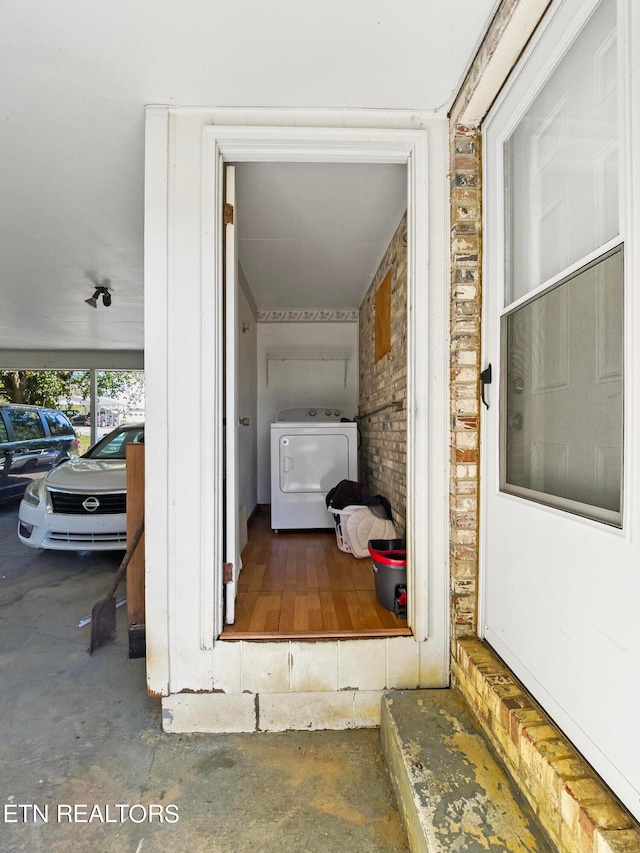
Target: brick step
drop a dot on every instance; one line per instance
(452, 793)
(573, 805)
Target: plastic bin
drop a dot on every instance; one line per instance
(340, 517)
(389, 559)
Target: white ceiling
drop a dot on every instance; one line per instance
(313, 235)
(75, 77)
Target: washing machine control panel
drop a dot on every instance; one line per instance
(314, 414)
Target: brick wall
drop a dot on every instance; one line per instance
(575, 808)
(383, 453)
(466, 237)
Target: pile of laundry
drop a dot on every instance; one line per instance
(359, 517)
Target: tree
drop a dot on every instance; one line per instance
(127, 385)
(35, 387)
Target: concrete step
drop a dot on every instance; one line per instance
(453, 795)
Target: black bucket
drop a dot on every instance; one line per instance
(389, 558)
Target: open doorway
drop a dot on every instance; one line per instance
(320, 324)
(184, 355)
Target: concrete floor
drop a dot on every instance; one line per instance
(80, 731)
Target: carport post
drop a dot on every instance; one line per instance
(93, 400)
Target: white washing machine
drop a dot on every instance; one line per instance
(311, 451)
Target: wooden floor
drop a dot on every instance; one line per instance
(299, 584)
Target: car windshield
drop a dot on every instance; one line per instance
(113, 446)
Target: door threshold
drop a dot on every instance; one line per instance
(274, 636)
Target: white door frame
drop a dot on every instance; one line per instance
(232, 468)
(425, 150)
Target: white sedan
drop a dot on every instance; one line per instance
(82, 503)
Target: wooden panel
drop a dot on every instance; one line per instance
(135, 511)
(383, 318)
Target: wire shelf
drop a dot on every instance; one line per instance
(315, 355)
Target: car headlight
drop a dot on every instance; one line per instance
(32, 493)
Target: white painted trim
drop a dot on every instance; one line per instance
(211, 384)
(337, 145)
(438, 427)
(525, 17)
(427, 420)
(629, 171)
(231, 286)
(156, 269)
(318, 118)
(71, 359)
(170, 402)
(562, 275)
(313, 144)
(406, 139)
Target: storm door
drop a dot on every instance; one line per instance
(559, 557)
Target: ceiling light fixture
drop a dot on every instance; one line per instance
(106, 297)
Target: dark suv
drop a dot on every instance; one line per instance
(32, 440)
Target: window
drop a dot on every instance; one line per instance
(563, 321)
(58, 423)
(561, 163)
(114, 446)
(563, 395)
(26, 424)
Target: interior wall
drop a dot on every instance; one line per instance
(301, 383)
(247, 398)
(383, 385)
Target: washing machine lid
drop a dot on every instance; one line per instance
(312, 414)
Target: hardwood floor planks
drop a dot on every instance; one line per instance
(330, 621)
(322, 571)
(298, 584)
(245, 605)
(266, 613)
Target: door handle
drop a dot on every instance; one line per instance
(243, 421)
(485, 379)
(287, 464)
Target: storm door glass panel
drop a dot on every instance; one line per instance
(561, 163)
(562, 406)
